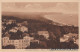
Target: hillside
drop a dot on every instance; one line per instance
(55, 32)
(36, 25)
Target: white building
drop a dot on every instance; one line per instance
(5, 41)
(23, 29)
(44, 33)
(13, 30)
(25, 23)
(19, 44)
(64, 39)
(10, 22)
(19, 24)
(68, 37)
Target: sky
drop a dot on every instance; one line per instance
(59, 7)
(65, 7)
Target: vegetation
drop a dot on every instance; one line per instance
(55, 32)
(8, 47)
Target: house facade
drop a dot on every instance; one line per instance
(69, 37)
(44, 33)
(19, 44)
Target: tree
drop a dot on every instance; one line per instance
(68, 45)
(8, 47)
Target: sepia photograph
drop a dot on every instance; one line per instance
(39, 25)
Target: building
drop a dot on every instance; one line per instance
(10, 22)
(5, 41)
(64, 39)
(19, 44)
(23, 29)
(7, 34)
(69, 37)
(19, 24)
(13, 30)
(77, 42)
(44, 33)
(73, 35)
(3, 27)
(25, 23)
(35, 41)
